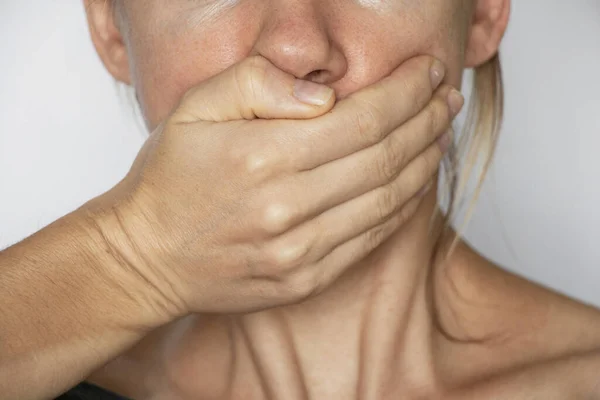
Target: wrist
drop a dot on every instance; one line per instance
(68, 307)
(124, 264)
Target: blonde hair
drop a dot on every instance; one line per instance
(477, 143)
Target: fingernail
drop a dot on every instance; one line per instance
(437, 73)
(444, 141)
(455, 101)
(312, 93)
(425, 189)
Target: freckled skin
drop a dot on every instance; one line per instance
(386, 6)
(399, 324)
(189, 52)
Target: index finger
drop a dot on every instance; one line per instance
(367, 116)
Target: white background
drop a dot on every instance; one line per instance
(67, 134)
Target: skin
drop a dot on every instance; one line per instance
(148, 53)
(402, 322)
(222, 212)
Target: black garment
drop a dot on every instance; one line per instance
(86, 391)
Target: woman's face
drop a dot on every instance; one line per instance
(169, 46)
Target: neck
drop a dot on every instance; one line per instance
(377, 316)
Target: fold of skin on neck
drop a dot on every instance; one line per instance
(405, 322)
(372, 330)
(371, 335)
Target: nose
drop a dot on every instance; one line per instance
(295, 37)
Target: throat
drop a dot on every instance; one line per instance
(367, 337)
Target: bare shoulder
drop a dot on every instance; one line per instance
(574, 377)
(503, 322)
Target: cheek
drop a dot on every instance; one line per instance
(381, 48)
(374, 44)
(168, 61)
(172, 59)
(171, 68)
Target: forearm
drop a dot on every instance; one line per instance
(66, 308)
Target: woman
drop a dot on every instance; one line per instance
(253, 252)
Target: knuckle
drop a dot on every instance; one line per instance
(256, 165)
(387, 161)
(398, 149)
(254, 67)
(374, 237)
(250, 76)
(276, 218)
(432, 115)
(284, 259)
(368, 121)
(386, 202)
(255, 61)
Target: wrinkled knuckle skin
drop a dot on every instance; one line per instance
(256, 64)
(368, 122)
(386, 203)
(432, 116)
(374, 237)
(250, 78)
(396, 153)
(254, 68)
(386, 163)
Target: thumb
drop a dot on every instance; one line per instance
(254, 88)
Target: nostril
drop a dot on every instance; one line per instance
(317, 76)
